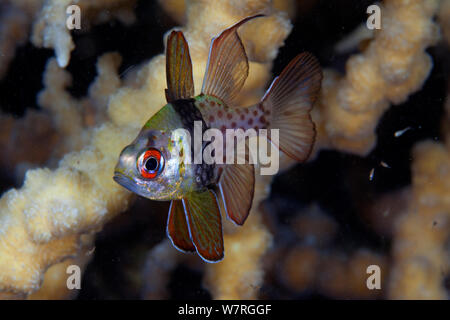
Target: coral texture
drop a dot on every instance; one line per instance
(393, 66)
(422, 263)
(45, 218)
(68, 155)
(50, 29)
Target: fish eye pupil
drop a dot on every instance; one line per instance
(151, 164)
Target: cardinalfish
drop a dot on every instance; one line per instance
(198, 192)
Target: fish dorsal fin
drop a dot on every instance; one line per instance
(205, 225)
(177, 227)
(180, 84)
(236, 185)
(227, 67)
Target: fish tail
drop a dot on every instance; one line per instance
(290, 99)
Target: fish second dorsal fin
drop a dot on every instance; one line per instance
(180, 84)
(177, 227)
(236, 185)
(227, 67)
(205, 225)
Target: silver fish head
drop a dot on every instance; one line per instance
(152, 167)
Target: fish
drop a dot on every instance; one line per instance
(198, 193)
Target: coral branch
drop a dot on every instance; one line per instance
(421, 264)
(41, 224)
(50, 30)
(240, 276)
(393, 66)
(51, 221)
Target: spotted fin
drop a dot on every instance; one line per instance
(177, 228)
(227, 67)
(290, 98)
(236, 185)
(205, 225)
(180, 84)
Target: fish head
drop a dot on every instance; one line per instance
(151, 166)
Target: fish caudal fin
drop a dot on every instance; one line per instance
(205, 225)
(180, 84)
(177, 228)
(237, 184)
(290, 98)
(227, 67)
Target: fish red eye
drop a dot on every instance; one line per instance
(150, 163)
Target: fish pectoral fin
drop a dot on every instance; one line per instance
(237, 185)
(290, 98)
(180, 84)
(205, 225)
(177, 227)
(227, 66)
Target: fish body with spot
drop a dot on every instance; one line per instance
(154, 165)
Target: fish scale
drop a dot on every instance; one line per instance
(217, 115)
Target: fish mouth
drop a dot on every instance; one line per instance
(125, 181)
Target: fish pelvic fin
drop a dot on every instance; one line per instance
(237, 185)
(180, 84)
(227, 66)
(205, 225)
(290, 99)
(177, 227)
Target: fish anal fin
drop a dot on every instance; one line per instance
(205, 225)
(177, 227)
(237, 184)
(227, 67)
(180, 84)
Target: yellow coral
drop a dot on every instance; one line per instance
(55, 279)
(44, 224)
(41, 224)
(313, 264)
(421, 263)
(50, 30)
(393, 66)
(240, 275)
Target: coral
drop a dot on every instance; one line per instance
(84, 113)
(177, 8)
(50, 30)
(344, 276)
(55, 280)
(314, 264)
(41, 222)
(393, 66)
(160, 261)
(67, 151)
(422, 263)
(240, 275)
(44, 219)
